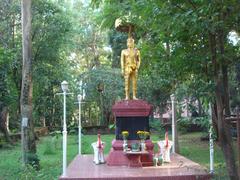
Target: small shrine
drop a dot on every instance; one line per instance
(131, 116)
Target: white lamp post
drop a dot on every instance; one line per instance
(211, 148)
(79, 124)
(173, 122)
(175, 146)
(64, 86)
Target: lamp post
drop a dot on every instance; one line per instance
(174, 128)
(79, 124)
(211, 148)
(64, 86)
(173, 121)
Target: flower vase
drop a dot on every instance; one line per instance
(143, 145)
(125, 145)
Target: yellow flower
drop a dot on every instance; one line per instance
(146, 133)
(125, 134)
(143, 134)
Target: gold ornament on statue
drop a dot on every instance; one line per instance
(130, 59)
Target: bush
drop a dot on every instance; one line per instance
(50, 145)
(202, 122)
(28, 172)
(155, 147)
(183, 125)
(193, 124)
(55, 139)
(33, 160)
(72, 127)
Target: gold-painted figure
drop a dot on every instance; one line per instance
(130, 63)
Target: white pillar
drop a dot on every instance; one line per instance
(79, 125)
(173, 122)
(64, 135)
(211, 147)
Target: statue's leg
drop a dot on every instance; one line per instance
(127, 84)
(134, 84)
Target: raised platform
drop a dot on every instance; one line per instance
(181, 168)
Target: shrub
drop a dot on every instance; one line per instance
(55, 139)
(28, 172)
(183, 125)
(193, 124)
(202, 122)
(72, 127)
(50, 146)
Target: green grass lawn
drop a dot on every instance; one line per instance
(50, 154)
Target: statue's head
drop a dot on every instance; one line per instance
(130, 42)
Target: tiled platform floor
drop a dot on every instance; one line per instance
(181, 168)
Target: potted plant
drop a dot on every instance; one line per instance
(135, 147)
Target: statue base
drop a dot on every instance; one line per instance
(131, 116)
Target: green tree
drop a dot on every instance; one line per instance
(110, 80)
(10, 61)
(186, 39)
(28, 137)
(51, 27)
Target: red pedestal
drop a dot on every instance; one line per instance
(132, 108)
(131, 116)
(117, 157)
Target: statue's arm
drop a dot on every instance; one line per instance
(122, 62)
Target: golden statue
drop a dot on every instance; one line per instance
(130, 57)
(130, 63)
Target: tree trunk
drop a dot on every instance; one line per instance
(215, 119)
(238, 73)
(4, 115)
(226, 90)
(28, 137)
(106, 117)
(223, 128)
(224, 74)
(225, 137)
